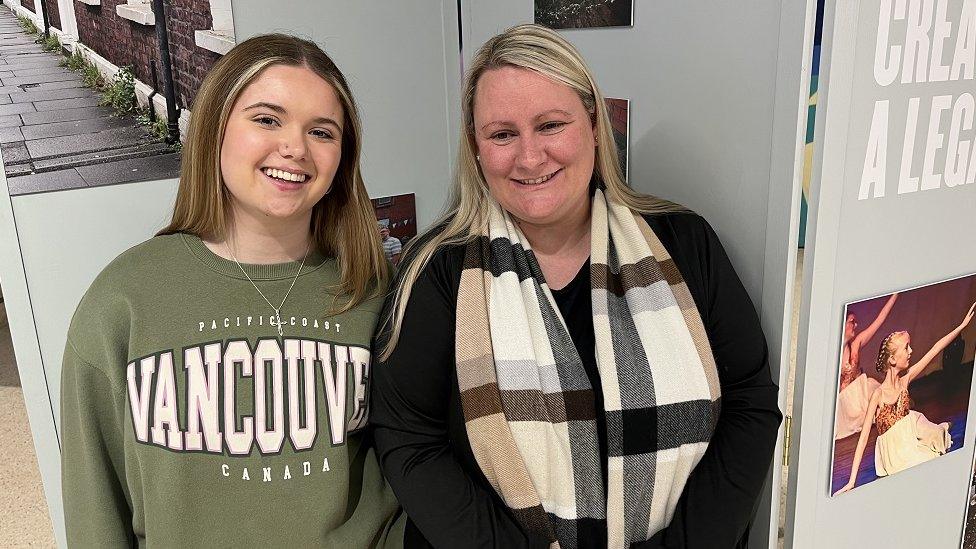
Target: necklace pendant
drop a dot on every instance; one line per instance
(278, 323)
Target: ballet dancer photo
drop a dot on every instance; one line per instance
(897, 408)
(856, 387)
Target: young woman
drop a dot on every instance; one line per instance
(905, 436)
(214, 379)
(561, 345)
(855, 386)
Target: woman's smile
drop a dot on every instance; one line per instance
(538, 181)
(285, 181)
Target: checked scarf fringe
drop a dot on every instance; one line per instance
(528, 404)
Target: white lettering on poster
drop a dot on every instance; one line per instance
(918, 42)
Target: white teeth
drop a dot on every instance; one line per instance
(287, 176)
(537, 181)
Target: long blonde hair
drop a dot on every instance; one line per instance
(538, 49)
(343, 224)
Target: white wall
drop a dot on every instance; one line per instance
(52, 245)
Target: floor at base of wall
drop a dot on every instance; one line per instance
(26, 522)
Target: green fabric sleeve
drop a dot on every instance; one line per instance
(96, 503)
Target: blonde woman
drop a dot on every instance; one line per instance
(567, 361)
(214, 380)
(855, 385)
(905, 436)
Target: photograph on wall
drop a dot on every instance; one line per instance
(619, 110)
(396, 221)
(584, 14)
(77, 116)
(904, 371)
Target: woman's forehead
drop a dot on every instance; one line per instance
(297, 87)
(515, 89)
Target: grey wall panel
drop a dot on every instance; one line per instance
(401, 61)
(67, 238)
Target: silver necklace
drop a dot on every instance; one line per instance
(277, 310)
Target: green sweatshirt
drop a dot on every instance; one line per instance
(187, 421)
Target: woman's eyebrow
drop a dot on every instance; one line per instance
(327, 120)
(551, 111)
(536, 117)
(264, 104)
(281, 110)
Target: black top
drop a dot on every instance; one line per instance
(423, 446)
(576, 307)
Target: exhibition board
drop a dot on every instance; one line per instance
(891, 210)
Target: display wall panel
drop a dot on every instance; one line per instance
(67, 240)
(865, 245)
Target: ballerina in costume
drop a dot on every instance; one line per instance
(856, 387)
(905, 437)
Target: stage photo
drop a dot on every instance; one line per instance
(904, 372)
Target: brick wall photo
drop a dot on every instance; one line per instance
(29, 4)
(53, 15)
(126, 43)
(120, 41)
(191, 63)
(101, 147)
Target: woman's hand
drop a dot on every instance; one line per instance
(969, 317)
(845, 488)
(861, 338)
(941, 344)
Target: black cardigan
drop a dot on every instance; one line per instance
(422, 443)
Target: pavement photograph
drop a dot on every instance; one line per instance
(55, 134)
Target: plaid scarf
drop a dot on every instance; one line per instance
(528, 404)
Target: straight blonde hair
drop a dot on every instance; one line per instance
(343, 224)
(535, 48)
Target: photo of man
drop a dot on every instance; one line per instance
(391, 245)
(396, 218)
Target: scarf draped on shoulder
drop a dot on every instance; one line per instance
(528, 404)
